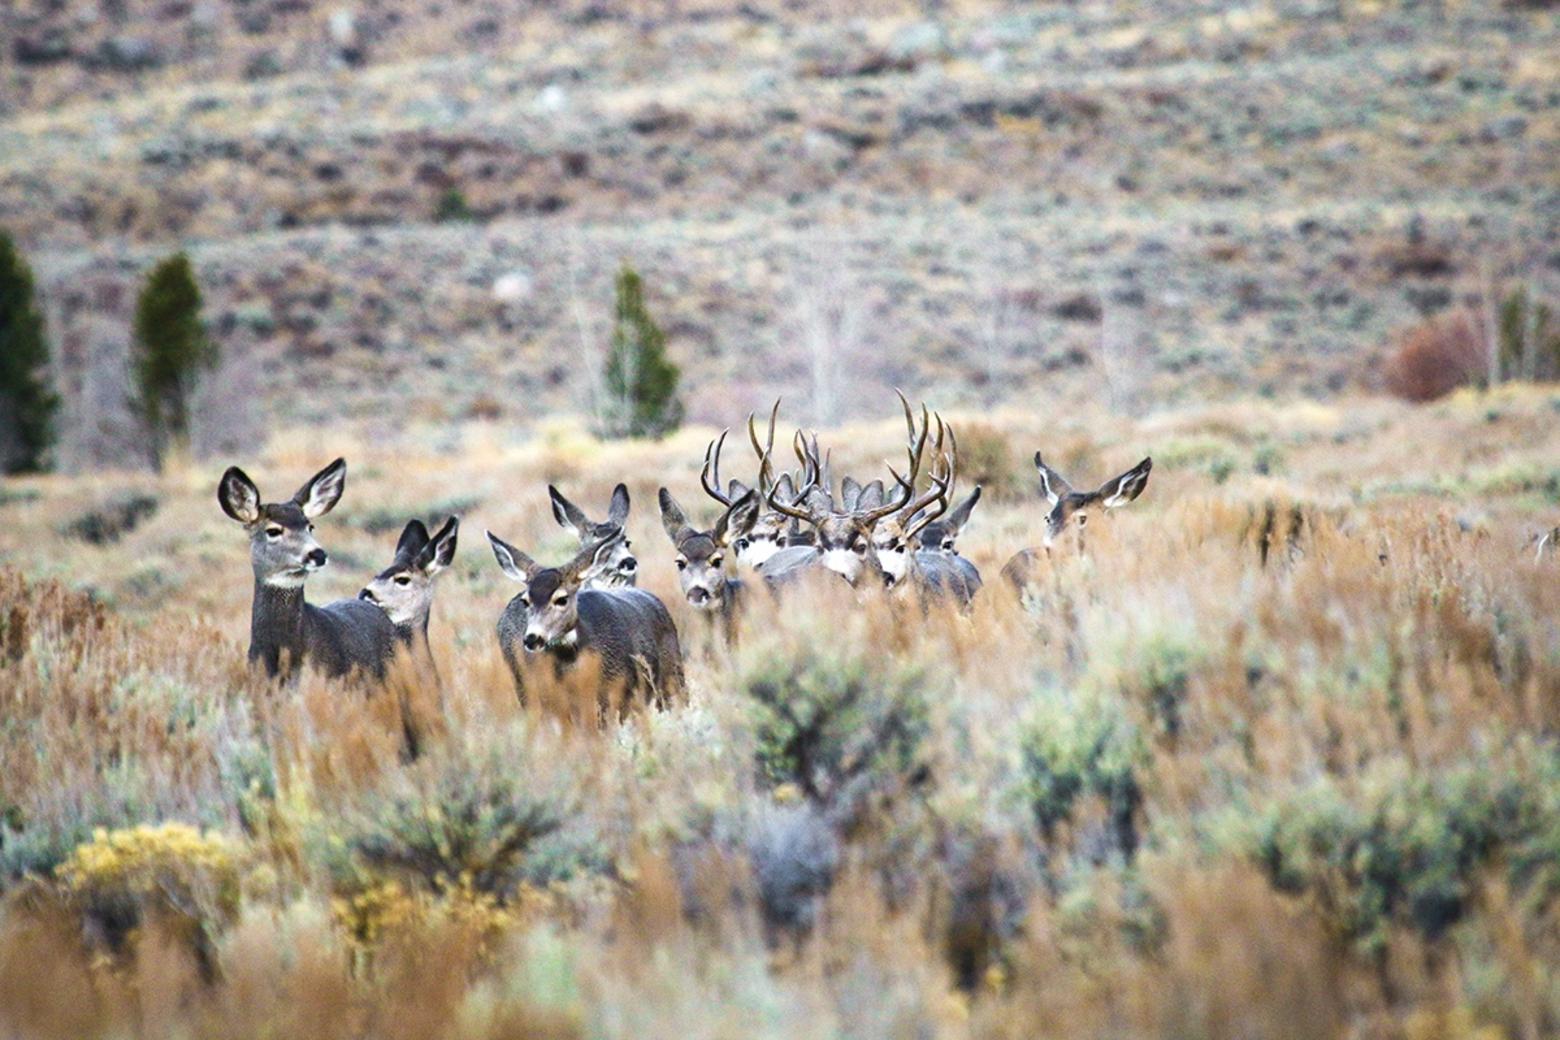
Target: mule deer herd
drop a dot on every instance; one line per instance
(894, 537)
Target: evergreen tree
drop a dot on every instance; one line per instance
(27, 405)
(641, 381)
(171, 350)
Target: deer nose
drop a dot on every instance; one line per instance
(367, 595)
(316, 557)
(629, 565)
(698, 595)
(533, 641)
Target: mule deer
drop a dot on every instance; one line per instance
(702, 558)
(617, 569)
(404, 590)
(900, 539)
(844, 536)
(346, 636)
(1067, 504)
(627, 631)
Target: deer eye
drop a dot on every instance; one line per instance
(1083, 518)
(525, 598)
(858, 547)
(681, 563)
(717, 560)
(274, 532)
(561, 600)
(402, 579)
(948, 545)
(742, 543)
(627, 544)
(311, 528)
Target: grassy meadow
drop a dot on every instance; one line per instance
(1273, 755)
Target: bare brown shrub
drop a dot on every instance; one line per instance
(1437, 356)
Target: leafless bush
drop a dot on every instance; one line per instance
(1437, 356)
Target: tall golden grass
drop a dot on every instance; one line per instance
(1275, 757)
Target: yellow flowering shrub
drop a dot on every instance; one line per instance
(173, 860)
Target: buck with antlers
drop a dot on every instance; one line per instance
(900, 539)
(844, 533)
(626, 631)
(771, 530)
(617, 568)
(1068, 505)
(338, 638)
(705, 559)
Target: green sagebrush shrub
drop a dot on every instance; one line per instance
(473, 816)
(1406, 847)
(836, 720)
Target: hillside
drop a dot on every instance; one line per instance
(1040, 203)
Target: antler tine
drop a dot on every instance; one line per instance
(769, 440)
(909, 415)
(917, 446)
(709, 476)
(789, 508)
(938, 496)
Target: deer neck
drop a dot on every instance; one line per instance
(276, 626)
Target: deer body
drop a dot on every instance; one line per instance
(285, 632)
(337, 638)
(626, 631)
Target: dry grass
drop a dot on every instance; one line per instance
(1276, 757)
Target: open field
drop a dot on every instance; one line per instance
(1276, 757)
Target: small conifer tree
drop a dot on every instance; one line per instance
(171, 350)
(640, 380)
(27, 404)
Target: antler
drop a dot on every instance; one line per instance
(762, 450)
(944, 491)
(709, 476)
(766, 481)
(908, 504)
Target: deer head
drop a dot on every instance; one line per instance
(619, 568)
(282, 548)
(771, 530)
(704, 557)
(551, 593)
(404, 590)
(845, 536)
(1067, 504)
(898, 536)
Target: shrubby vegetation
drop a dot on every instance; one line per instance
(1271, 758)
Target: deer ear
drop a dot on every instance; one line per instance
(1052, 486)
(617, 510)
(413, 537)
(568, 515)
(238, 496)
(1118, 491)
(960, 514)
(323, 490)
(738, 520)
(850, 494)
(515, 563)
(439, 551)
(784, 489)
(672, 518)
